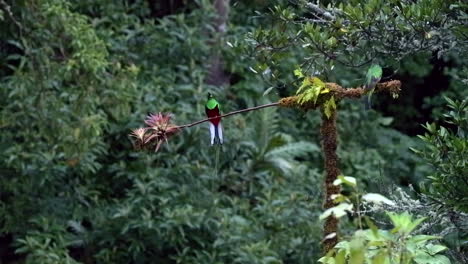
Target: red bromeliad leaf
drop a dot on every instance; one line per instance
(159, 130)
(139, 133)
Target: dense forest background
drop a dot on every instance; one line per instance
(77, 76)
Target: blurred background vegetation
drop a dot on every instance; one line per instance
(77, 76)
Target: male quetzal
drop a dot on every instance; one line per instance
(216, 129)
(373, 76)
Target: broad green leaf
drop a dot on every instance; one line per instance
(329, 106)
(434, 249)
(337, 211)
(441, 259)
(418, 239)
(316, 82)
(305, 83)
(310, 90)
(327, 260)
(338, 198)
(267, 91)
(424, 258)
(347, 180)
(357, 251)
(372, 226)
(298, 73)
(385, 121)
(377, 199)
(253, 70)
(414, 224)
(381, 257)
(404, 224)
(340, 257)
(343, 245)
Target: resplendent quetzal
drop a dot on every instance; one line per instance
(212, 109)
(373, 76)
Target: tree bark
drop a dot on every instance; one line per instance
(216, 75)
(329, 146)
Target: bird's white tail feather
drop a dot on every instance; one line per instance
(220, 133)
(212, 133)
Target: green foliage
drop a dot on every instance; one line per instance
(375, 154)
(47, 244)
(73, 190)
(353, 33)
(446, 150)
(338, 40)
(243, 213)
(310, 90)
(441, 221)
(374, 245)
(381, 246)
(347, 203)
(329, 106)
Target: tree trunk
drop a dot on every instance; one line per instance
(329, 145)
(216, 75)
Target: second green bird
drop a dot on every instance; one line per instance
(373, 76)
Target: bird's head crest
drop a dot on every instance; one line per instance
(210, 96)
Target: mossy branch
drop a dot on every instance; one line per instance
(338, 92)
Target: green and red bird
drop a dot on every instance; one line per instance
(212, 109)
(373, 76)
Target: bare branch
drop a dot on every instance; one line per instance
(325, 13)
(7, 9)
(229, 114)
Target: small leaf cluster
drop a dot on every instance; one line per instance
(354, 33)
(347, 203)
(310, 90)
(446, 149)
(380, 246)
(374, 245)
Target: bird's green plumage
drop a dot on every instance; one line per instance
(212, 104)
(212, 111)
(374, 72)
(373, 76)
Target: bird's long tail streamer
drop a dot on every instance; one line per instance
(217, 160)
(215, 173)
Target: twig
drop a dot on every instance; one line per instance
(321, 11)
(7, 9)
(229, 114)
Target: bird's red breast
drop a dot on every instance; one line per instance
(213, 113)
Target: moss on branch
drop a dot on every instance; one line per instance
(393, 87)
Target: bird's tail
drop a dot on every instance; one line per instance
(367, 102)
(216, 134)
(219, 133)
(212, 133)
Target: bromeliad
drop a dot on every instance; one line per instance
(373, 76)
(212, 110)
